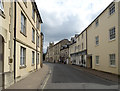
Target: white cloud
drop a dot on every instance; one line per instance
(68, 16)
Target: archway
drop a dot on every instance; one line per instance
(1, 62)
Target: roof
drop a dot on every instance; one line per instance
(60, 41)
(38, 13)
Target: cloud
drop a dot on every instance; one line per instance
(63, 18)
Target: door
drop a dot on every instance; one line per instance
(1, 61)
(90, 61)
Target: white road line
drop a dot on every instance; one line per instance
(46, 80)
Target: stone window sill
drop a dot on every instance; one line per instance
(2, 14)
(23, 34)
(22, 67)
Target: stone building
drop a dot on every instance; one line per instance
(20, 40)
(57, 48)
(98, 46)
(53, 51)
(103, 40)
(64, 53)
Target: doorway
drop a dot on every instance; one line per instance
(1, 62)
(90, 61)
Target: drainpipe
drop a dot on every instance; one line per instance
(11, 38)
(15, 39)
(36, 50)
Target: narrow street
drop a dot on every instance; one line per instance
(64, 76)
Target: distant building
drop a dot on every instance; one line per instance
(64, 54)
(53, 51)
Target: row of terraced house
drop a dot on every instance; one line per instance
(21, 46)
(97, 46)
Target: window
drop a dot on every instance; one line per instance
(112, 33)
(79, 47)
(33, 13)
(82, 46)
(23, 24)
(97, 60)
(82, 36)
(33, 35)
(97, 40)
(38, 41)
(75, 48)
(97, 22)
(78, 38)
(112, 9)
(1, 6)
(38, 58)
(22, 56)
(112, 59)
(33, 57)
(37, 24)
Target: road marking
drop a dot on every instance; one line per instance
(46, 80)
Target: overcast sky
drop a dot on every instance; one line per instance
(65, 18)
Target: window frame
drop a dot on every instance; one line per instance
(112, 59)
(33, 13)
(23, 26)
(97, 22)
(97, 40)
(113, 34)
(37, 58)
(33, 57)
(97, 58)
(82, 46)
(22, 56)
(33, 35)
(112, 9)
(38, 40)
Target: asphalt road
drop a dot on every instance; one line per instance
(63, 76)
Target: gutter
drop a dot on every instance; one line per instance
(15, 39)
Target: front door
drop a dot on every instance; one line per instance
(90, 61)
(1, 61)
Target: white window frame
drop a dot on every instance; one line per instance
(22, 56)
(113, 56)
(33, 57)
(23, 23)
(82, 46)
(38, 39)
(97, 40)
(112, 9)
(33, 13)
(37, 58)
(97, 22)
(37, 23)
(97, 58)
(33, 35)
(112, 33)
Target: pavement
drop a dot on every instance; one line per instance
(32, 81)
(61, 76)
(104, 75)
(64, 76)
